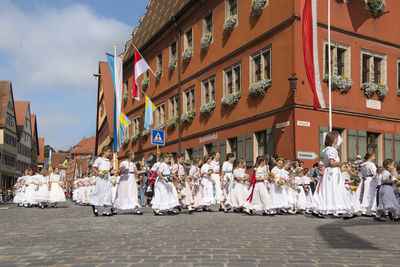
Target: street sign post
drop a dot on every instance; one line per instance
(158, 138)
(306, 155)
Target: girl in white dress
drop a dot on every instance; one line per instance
(290, 187)
(179, 174)
(29, 189)
(102, 195)
(206, 184)
(237, 195)
(42, 190)
(127, 191)
(368, 190)
(195, 176)
(227, 175)
(165, 198)
(218, 196)
(330, 196)
(301, 199)
(19, 185)
(279, 197)
(56, 194)
(347, 182)
(387, 201)
(259, 197)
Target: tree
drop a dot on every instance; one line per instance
(47, 148)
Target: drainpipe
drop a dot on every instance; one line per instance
(179, 83)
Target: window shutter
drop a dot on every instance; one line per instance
(201, 154)
(240, 146)
(396, 146)
(361, 143)
(249, 149)
(322, 130)
(222, 150)
(388, 146)
(194, 152)
(214, 147)
(352, 144)
(270, 141)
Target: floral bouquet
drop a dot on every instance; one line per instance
(307, 188)
(353, 188)
(398, 177)
(113, 182)
(182, 179)
(211, 171)
(272, 176)
(280, 182)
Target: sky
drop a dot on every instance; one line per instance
(49, 49)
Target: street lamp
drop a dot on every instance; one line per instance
(293, 82)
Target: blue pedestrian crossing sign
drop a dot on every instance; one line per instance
(158, 137)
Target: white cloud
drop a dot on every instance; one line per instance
(54, 47)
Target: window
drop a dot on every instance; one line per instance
(373, 145)
(136, 125)
(125, 87)
(173, 107)
(10, 105)
(343, 147)
(340, 59)
(9, 161)
(208, 23)
(188, 99)
(232, 79)
(160, 114)
(231, 8)
(260, 65)
(172, 50)
(10, 120)
(189, 154)
(10, 140)
(232, 146)
(189, 38)
(208, 149)
(208, 90)
(373, 67)
(159, 61)
(261, 142)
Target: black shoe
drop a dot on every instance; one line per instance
(138, 212)
(107, 214)
(172, 212)
(237, 210)
(379, 219)
(349, 217)
(95, 211)
(207, 209)
(390, 215)
(114, 211)
(158, 213)
(221, 209)
(268, 214)
(191, 211)
(226, 210)
(396, 219)
(179, 208)
(250, 213)
(318, 215)
(199, 210)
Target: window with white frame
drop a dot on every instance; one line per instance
(173, 107)
(208, 22)
(172, 50)
(340, 59)
(231, 8)
(373, 67)
(188, 39)
(208, 90)
(232, 146)
(159, 61)
(260, 65)
(160, 114)
(189, 154)
(136, 125)
(188, 99)
(232, 79)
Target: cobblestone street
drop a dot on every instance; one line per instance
(72, 236)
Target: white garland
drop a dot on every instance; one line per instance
(188, 116)
(206, 41)
(146, 133)
(172, 64)
(257, 7)
(172, 122)
(230, 23)
(371, 88)
(135, 137)
(208, 107)
(125, 141)
(125, 97)
(160, 127)
(158, 74)
(187, 54)
(232, 99)
(145, 84)
(340, 83)
(377, 7)
(259, 88)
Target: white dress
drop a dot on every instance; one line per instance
(206, 185)
(330, 196)
(387, 200)
(237, 195)
(18, 198)
(30, 185)
(301, 199)
(42, 189)
(75, 191)
(227, 180)
(368, 190)
(165, 195)
(127, 191)
(56, 193)
(352, 194)
(279, 196)
(102, 195)
(218, 196)
(260, 199)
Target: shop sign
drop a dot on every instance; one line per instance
(208, 138)
(306, 155)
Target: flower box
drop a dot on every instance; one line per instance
(158, 74)
(172, 122)
(257, 7)
(206, 41)
(125, 97)
(208, 107)
(370, 89)
(188, 116)
(259, 88)
(145, 84)
(187, 54)
(125, 141)
(135, 137)
(146, 133)
(172, 64)
(160, 127)
(340, 83)
(232, 99)
(230, 23)
(377, 7)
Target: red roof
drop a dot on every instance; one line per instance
(5, 90)
(57, 159)
(21, 108)
(41, 150)
(85, 146)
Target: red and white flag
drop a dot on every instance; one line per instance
(139, 68)
(310, 49)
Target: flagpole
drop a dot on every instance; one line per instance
(115, 78)
(329, 66)
(143, 58)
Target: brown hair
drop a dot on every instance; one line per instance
(106, 148)
(128, 153)
(196, 160)
(330, 138)
(368, 156)
(179, 155)
(206, 158)
(386, 163)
